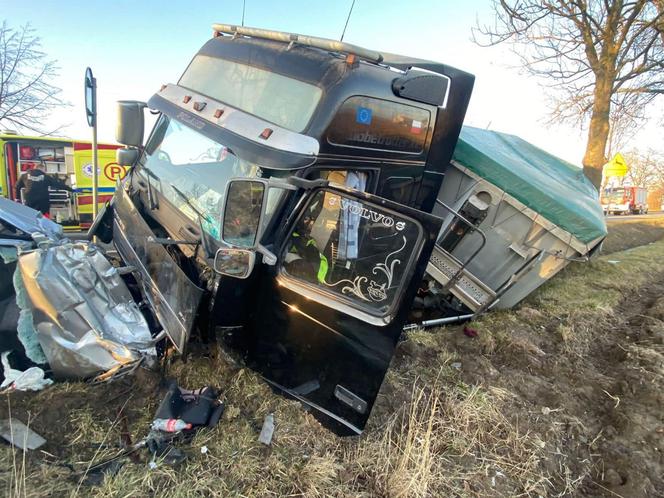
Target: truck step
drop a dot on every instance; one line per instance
(469, 289)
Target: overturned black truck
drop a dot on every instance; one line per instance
(290, 203)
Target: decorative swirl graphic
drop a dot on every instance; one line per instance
(373, 291)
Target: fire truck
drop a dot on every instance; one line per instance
(625, 200)
(70, 161)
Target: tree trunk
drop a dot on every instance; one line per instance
(660, 8)
(598, 131)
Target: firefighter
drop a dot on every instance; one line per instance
(305, 260)
(35, 184)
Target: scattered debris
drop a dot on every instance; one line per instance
(493, 478)
(170, 425)
(33, 379)
(456, 365)
(197, 408)
(20, 435)
(204, 450)
(95, 476)
(612, 261)
(267, 431)
(470, 332)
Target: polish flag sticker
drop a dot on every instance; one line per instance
(416, 127)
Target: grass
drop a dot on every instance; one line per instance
(626, 233)
(435, 431)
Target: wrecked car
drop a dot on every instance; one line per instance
(64, 304)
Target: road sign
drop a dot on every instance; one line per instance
(90, 98)
(617, 166)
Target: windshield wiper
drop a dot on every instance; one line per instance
(186, 199)
(201, 217)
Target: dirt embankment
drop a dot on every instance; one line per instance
(583, 363)
(589, 385)
(628, 233)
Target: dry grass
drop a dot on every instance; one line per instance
(424, 449)
(450, 442)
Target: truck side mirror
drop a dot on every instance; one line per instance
(236, 263)
(126, 157)
(243, 212)
(131, 122)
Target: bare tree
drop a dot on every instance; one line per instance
(27, 95)
(646, 168)
(602, 59)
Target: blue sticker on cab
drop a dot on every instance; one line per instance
(363, 115)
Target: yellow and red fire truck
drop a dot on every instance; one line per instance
(70, 161)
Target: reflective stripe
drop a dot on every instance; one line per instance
(322, 269)
(323, 266)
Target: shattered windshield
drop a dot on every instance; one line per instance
(192, 171)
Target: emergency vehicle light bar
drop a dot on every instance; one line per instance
(311, 41)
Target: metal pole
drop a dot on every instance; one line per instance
(343, 33)
(95, 165)
(438, 321)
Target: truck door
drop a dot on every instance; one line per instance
(173, 297)
(328, 315)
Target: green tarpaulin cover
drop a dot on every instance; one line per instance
(554, 188)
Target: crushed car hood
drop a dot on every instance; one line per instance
(85, 317)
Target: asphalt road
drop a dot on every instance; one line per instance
(629, 217)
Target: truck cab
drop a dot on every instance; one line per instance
(281, 204)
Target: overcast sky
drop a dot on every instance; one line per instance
(133, 47)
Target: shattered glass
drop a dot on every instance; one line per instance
(26, 330)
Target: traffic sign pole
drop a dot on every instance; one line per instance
(91, 114)
(95, 166)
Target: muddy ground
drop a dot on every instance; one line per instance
(599, 401)
(563, 396)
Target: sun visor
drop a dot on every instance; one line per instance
(251, 138)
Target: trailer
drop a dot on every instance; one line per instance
(526, 215)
